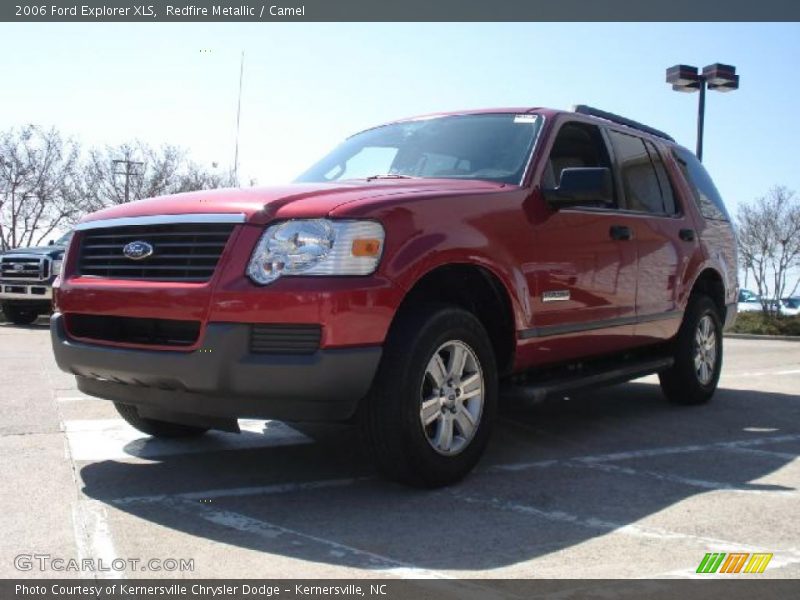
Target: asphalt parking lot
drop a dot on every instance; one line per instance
(612, 483)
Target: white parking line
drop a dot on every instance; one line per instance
(560, 516)
(647, 453)
(93, 537)
(189, 502)
(650, 452)
(289, 487)
(262, 490)
(747, 374)
(270, 531)
(680, 479)
(765, 453)
(113, 439)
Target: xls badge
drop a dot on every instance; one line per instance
(555, 295)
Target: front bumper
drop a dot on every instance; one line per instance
(223, 379)
(34, 292)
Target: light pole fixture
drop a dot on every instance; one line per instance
(719, 77)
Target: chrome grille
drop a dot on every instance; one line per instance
(181, 251)
(24, 267)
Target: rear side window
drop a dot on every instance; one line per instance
(706, 196)
(644, 180)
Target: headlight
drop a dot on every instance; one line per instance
(57, 267)
(316, 247)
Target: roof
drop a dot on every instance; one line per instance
(581, 109)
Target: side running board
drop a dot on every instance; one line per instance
(532, 391)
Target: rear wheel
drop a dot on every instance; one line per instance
(154, 427)
(18, 314)
(698, 355)
(428, 416)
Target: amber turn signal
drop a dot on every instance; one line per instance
(366, 247)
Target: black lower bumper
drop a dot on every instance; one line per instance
(224, 380)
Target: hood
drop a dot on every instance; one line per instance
(299, 200)
(37, 250)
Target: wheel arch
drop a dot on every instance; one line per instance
(475, 288)
(710, 282)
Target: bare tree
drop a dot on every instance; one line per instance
(46, 184)
(148, 172)
(38, 191)
(768, 232)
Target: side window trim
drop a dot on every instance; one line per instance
(665, 155)
(662, 176)
(619, 188)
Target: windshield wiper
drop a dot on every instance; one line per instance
(390, 176)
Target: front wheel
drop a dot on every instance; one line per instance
(698, 355)
(154, 427)
(428, 416)
(19, 315)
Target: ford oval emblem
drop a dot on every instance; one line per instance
(18, 267)
(137, 250)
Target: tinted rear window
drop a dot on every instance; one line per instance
(647, 188)
(706, 196)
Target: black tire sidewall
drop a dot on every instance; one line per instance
(705, 307)
(431, 328)
(681, 382)
(19, 315)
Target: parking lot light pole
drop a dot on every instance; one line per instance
(719, 77)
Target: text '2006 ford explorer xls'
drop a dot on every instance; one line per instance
(405, 277)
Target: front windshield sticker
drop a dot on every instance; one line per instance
(525, 118)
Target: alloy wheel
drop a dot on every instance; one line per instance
(452, 395)
(705, 350)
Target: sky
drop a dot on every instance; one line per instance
(308, 86)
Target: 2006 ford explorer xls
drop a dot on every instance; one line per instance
(404, 279)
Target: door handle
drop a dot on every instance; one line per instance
(620, 232)
(687, 235)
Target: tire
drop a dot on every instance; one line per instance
(686, 382)
(154, 427)
(392, 413)
(19, 315)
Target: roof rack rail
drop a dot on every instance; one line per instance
(596, 112)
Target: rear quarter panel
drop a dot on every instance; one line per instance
(717, 248)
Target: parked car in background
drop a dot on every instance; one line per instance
(26, 280)
(790, 306)
(403, 279)
(749, 301)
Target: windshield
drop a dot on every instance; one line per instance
(63, 240)
(792, 302)
(493, 147)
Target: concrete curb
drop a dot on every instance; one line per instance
(749, 336)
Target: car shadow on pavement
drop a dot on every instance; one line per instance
(556, 475)
(35, 326)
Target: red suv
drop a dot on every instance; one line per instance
(404, 280)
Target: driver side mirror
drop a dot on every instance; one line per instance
(581, 186)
